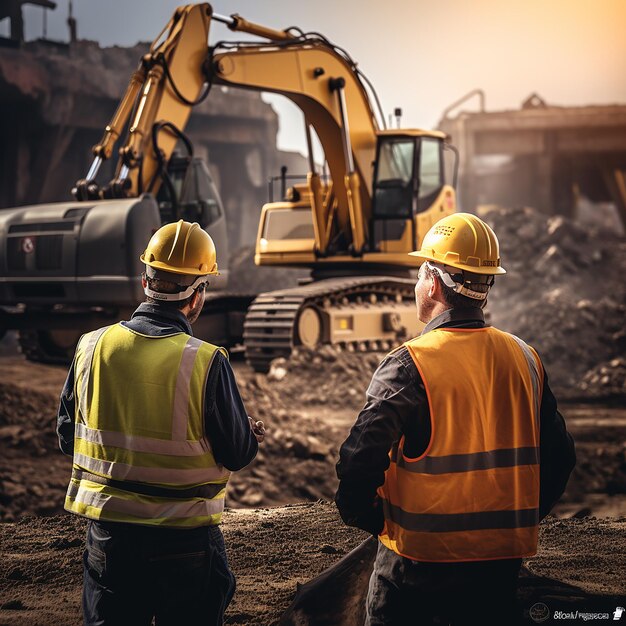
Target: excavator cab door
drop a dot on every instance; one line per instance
(408, 177)
(394, 189)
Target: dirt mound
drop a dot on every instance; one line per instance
(564, 293)
(341, 378)
(597, 485)
(40, 581)
(33, 476)
(295, 463)
(27, 420)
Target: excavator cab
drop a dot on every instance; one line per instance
(189, 193)
(414, 174)
(410, 187)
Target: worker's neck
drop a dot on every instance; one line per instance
(438, 309)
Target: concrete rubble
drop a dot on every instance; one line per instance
(565, 294)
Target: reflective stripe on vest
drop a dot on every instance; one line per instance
(474, 493)
(140, 419)
(142, 444)
(452, 463)
(113, 504)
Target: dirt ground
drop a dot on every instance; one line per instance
(273, 550)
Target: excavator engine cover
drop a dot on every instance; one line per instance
(75, 252)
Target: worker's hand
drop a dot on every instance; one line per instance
(258, 429)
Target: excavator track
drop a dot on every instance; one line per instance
(40, 346)
(355, 313)
(221, 322)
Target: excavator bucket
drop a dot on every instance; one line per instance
(337, 595)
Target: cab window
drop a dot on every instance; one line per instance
(288, 224)
(430, 172)
(394, 180)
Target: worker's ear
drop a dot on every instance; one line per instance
(436, 290)
(435, 287)
(197, 295)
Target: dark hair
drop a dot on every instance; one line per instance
(166, 286)
(457, 300)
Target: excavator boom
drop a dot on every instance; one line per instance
(321, 83)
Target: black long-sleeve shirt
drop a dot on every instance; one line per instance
(397, 405)
(225, 417)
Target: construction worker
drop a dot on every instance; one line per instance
(155, 424)
(459, 450)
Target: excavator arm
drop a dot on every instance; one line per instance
(164, 88)
(179, 71)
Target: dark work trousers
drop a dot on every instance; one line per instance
(133, 573)
(404, 592)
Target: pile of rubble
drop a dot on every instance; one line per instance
(565, 294)
(606, 380)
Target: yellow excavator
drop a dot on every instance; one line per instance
(352, 221)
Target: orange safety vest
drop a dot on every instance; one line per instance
(474, 494)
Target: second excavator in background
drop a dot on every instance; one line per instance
(351, 221)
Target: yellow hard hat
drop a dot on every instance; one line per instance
(181, 248)
(464, 241)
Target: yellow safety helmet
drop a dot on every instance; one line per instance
(181, 248)
(463, 241)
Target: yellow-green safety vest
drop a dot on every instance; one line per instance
(141, 454)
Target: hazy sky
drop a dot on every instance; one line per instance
(419, 55)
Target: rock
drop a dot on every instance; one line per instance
(277, 373)
(328, 549)
(13, 605)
